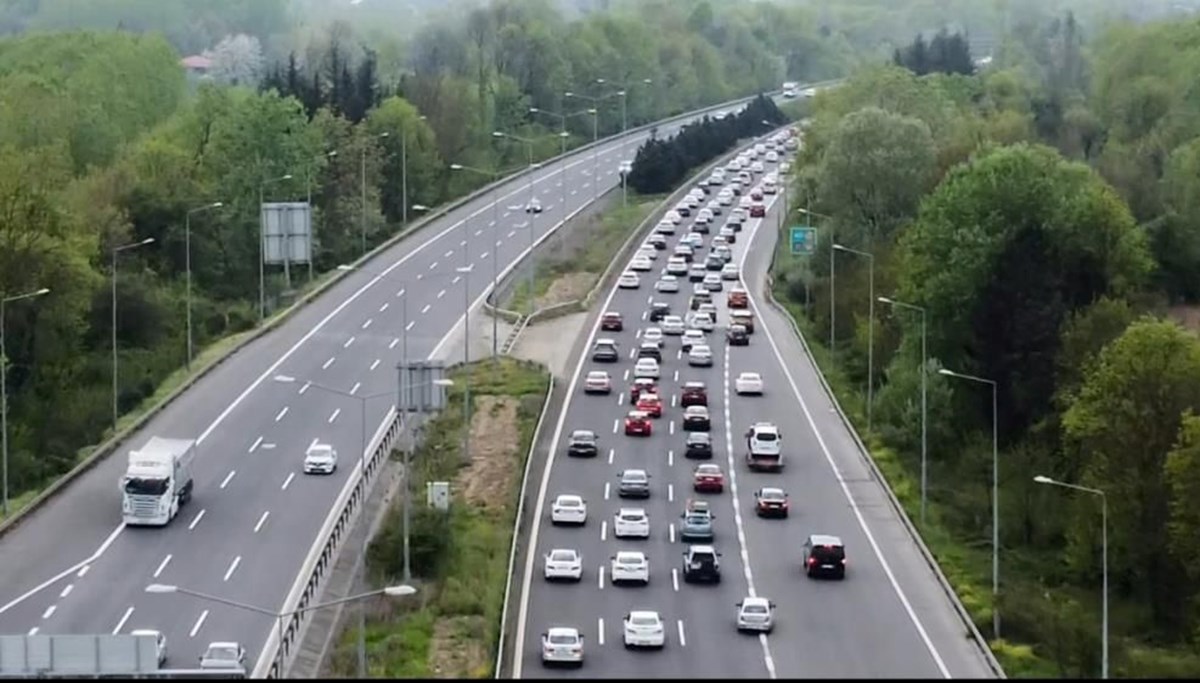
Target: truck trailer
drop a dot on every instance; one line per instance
(157, 482)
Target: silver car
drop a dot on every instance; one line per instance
(756, 614)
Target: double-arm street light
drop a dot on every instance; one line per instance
(187, 239)
(870, 322)
(924, 413)
(595, 112)
(362, 473)
(562, 150)
(115, 252)
(262, 238)
(281, 617)
(4, 301)
(623, 93)
(1103, 558)
(995, 492)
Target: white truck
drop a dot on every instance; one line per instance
(157, 482)
(764, 447)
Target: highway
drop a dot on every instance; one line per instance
(72, 567)
(888, 619)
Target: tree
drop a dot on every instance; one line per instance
(398, 118)
(946, 53)
(1175, 238)
(1183, 483)
(1127, 417)
(875, 170)
(237, 60)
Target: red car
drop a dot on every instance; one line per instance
(694, 394)
(650, 404)
(638, 423)
(639, 385)
(708, 478)
(611, 321)
(771, 502)
(757, 210)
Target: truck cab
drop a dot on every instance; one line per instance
(157, 481)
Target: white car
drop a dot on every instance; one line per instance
(745, 202)
(649, 251)
(320, 458)
(562, 645)
(677, 265)
(640, 264)
(756, 167)
(563, 563)
(223, 655)
(772, 157)
(748, 383)
(704, 217)
(646, 367)
(693, 239)
(160, 642)
(692, 337)
(631, 523)
(725, 198)
(739, 214)
(665, 228)
(713, 207)
(630, 565)
(673, 216)
(756, 614)
(700, 356)
(568, 508)
(597, 382)
(727, 231)
(785, 167)
(713, 283)
(672, 325)
(644, 628)
(629, 280)
(667, 284)
(702, 321)
(730, 272)
(653, 335)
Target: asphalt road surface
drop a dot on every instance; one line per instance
(889, 618)
(73, 568)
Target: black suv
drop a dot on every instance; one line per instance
(699, 446)
(736, 335)
(659, 310)
(650, 350)
(605, 351)
(582, 444)
(701, 563)
(824, 556)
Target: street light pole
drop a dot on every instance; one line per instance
(115, 252)
(363, 185)
(924, 405)
(187, 232)
(870, 327)
(1103, 557)
(4, 301)
(404, 168)
(995, 493)
(262, 238)
(308, 182)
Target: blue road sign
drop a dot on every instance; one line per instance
(804, 240)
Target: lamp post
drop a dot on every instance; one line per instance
(187, 239)
(532, 255)
(562, 137)
(495, 176)
(1103, 558)
(404, 168)
(4, 301)
(281, 617)
(262, 238)
(832, 282)
(308, 183)
(995, 493)
(594, 111)
(115, 252)
(870, 326)
(363, 186)
(924, 405)
(623, 93)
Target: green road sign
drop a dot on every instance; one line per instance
(804, 240)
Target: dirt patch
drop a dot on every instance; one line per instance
(457, 648)
(485, 481)
(1188, 316)
(568, 287)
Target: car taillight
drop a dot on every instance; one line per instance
(812, 560)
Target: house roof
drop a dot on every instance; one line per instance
(196, 62)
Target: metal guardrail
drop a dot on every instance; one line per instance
(865, 453)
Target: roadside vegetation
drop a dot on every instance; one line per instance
(1043, 213)
(451, 627)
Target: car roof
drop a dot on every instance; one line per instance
(631, 554)
(750, 374)
(583, 432)
(223, 643)
(570, 496)
(565, 550)
(694, 385)
(703, 549)
(755, 600)
(773, 489)
(563, 631)
(708, 467)
(823, 539)
(648, 614)
(631, 511)
(597, 373)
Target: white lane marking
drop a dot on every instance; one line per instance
(409, 326)
(393, 344)
(281, 413)
(199, 623)
(480, 231)
(290, 476)
(433, 266)
(606, 490)
(33, 631)
(384, 307)
(256, 444)
(671, 426)
(674, 397)
(626, 375)
(441, 294)
(82, 571)
(645, 315)
(315, 441)
(600, 581)
(682, 640)
(483, 256)
(162, 565)
(399, 293)
(671, 532)
(334, 415)
(49, 611)
(610, 455)
(462, 243)
(677, 375)
(670, 493)
(66, 591)
(374, 365)
(196, 520)
(233, 567)
(328, 363)
(670, 458)
(348, 342)
(620, 398)
(448, 254)
(225, 482)
(268, 446)
(638, 334)
(121, 624)
(426, 309)
(368, 323)
(616, 424)
(511, 233)
(262, 520)
(354, 389)
(675, 578)
(456, 279)
(574, 192)
(600, 630)
(604, 530)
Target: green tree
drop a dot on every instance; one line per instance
(1183, 483)
(401, 121)
(1175, 238)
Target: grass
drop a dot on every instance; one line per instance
(463, 589)
(605, 235)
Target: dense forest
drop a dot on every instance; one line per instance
(1042, 215)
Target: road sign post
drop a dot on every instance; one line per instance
(804, 240)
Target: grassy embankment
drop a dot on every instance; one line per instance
(450, 629)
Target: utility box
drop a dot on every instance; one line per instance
(437, 495)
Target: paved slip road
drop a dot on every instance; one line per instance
(883, 621)
(72, 567)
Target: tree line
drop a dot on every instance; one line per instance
(1020, 209)
(661, 165)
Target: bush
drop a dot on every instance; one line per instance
(429, 540)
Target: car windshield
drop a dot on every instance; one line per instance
(643, 620)
(708, 469)
(632, 516)
(769, 494)
(583, 436)
(562, 555)
(696, 519)
(628, 559)
(568, 502)
(755, 609)
(766, 436)
(562, 639)
(146, 487)
(635, 476)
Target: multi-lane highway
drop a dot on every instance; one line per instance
(889, 618)
(72, 567)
